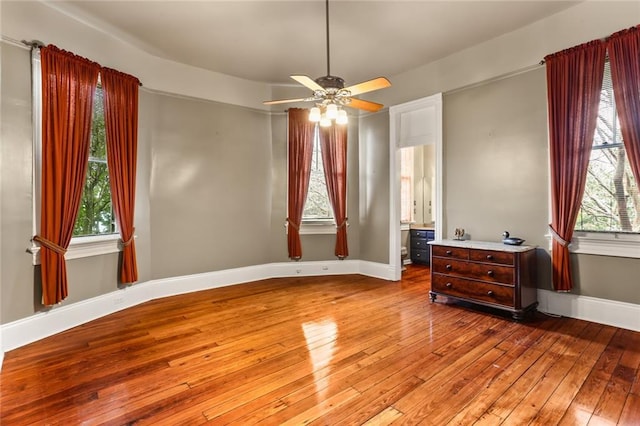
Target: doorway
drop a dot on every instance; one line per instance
(414, 123)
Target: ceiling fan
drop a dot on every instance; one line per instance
(329, 92)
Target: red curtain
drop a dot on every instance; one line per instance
(333, 142)
(68, 86)
(300, 133)
(121, 123)
(574, 81)
(624, 57)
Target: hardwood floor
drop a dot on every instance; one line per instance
(334, 350)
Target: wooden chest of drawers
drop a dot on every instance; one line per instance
(490, 274)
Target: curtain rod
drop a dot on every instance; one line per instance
(34, 44)
(37, 44)
(542, 62)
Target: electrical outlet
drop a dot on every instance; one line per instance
(325, 268)
(118, 301)
(298, 271)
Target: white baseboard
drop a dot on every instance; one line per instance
(43, 324)
(602, 311)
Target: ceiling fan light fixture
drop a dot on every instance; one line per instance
(342, 117)
(325, 122)
(315, 115)
(332, 111)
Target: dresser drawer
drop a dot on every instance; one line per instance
(452, 252)
(479, 271)
(473, 290)
(492, 256)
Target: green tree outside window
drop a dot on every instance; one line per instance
(95, 216)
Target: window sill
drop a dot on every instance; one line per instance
(81, 247)
(318, 227)
(606, 244)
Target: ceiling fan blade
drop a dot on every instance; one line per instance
(284, 101)
(365, 105)
(307, 82)
(369, 86)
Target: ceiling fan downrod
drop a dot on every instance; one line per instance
(329, 81)
(327, 22)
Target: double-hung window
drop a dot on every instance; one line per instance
(95, 231)
(95, 215)
(317, 216)
(609, 218)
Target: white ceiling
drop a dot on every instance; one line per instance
(267, 40)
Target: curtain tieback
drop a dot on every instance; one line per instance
(50, 245)
(128, 242)
(294, 225)
(558, 238)
(343, 224)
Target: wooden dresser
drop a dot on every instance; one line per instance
(490, 274)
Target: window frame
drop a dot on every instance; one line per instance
(113, 223)
(79, 247)
(618, 244)
(606, 243)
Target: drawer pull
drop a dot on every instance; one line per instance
(490, 293)
(449, 252)
(448, 267)
(449, 285)
(490, 273)
(489, 257)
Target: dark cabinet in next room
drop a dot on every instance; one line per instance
(420, 249)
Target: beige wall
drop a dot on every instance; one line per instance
(607, 277)
(210, 186)
(495, 162)
(16, 152)
(374, 187)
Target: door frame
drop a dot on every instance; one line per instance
(431, 106)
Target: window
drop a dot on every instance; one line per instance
(95, 215)
(406, 185)
(608, 222)
(611, 201)
(317, 207)
(95, 232)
